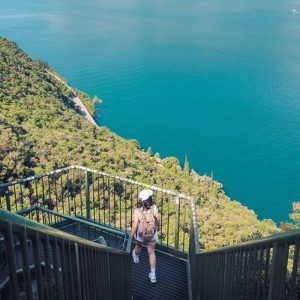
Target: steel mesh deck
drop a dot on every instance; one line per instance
(171, 274)
(91, 233)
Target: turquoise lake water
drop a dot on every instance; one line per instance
(218, 81)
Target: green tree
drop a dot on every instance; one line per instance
(41, 130)
(295, 215)
(294, 218)
(186, 166)
(149, 151)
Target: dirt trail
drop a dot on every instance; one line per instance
(78, 103)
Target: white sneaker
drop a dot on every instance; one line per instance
(136, 258)
(152, 277)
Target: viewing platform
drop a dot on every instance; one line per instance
(66, 235)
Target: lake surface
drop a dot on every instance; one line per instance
(218, 81)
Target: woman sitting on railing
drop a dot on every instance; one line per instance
(144, 229)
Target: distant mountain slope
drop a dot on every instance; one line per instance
(41, 130)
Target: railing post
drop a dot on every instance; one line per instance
(8, 207)
(26, 265)
(278, 270)
(194, 248)
(195, 227)
(191, 261)
(87, 193)
(12, 268)
(177, 202)
(78, 279)
(225, 277)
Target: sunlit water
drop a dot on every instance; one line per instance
(218, 81)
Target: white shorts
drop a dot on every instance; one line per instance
(154, 239)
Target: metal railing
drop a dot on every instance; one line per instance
(266, 268)
(101, 197)
(40, 261)
(92, 231)
(194, 249)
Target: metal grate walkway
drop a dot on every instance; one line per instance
(171, 274)
(171, 271)
(92, 234)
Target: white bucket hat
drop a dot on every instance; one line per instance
(145, 194)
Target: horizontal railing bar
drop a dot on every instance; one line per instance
(82, 221)
(288, 237)
(101, 225)
(15, 219)
(19, 181)
(27, 210)
(153, 187)
(195, 227)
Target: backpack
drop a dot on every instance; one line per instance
(147, 225)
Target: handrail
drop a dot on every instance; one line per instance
(128, 180)
(64, 266)
(266, 268)
(78, 220)
(15, 219)
(284, 237)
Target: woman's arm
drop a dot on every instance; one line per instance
(135, 223)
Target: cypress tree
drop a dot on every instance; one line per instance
(186, 166)
(149, 151)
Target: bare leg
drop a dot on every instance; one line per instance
(151, 252)
(138, 248)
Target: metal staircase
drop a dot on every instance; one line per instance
(41, 262)
(171, 268)
(65, 235)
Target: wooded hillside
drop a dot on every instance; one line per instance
(41, 130)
